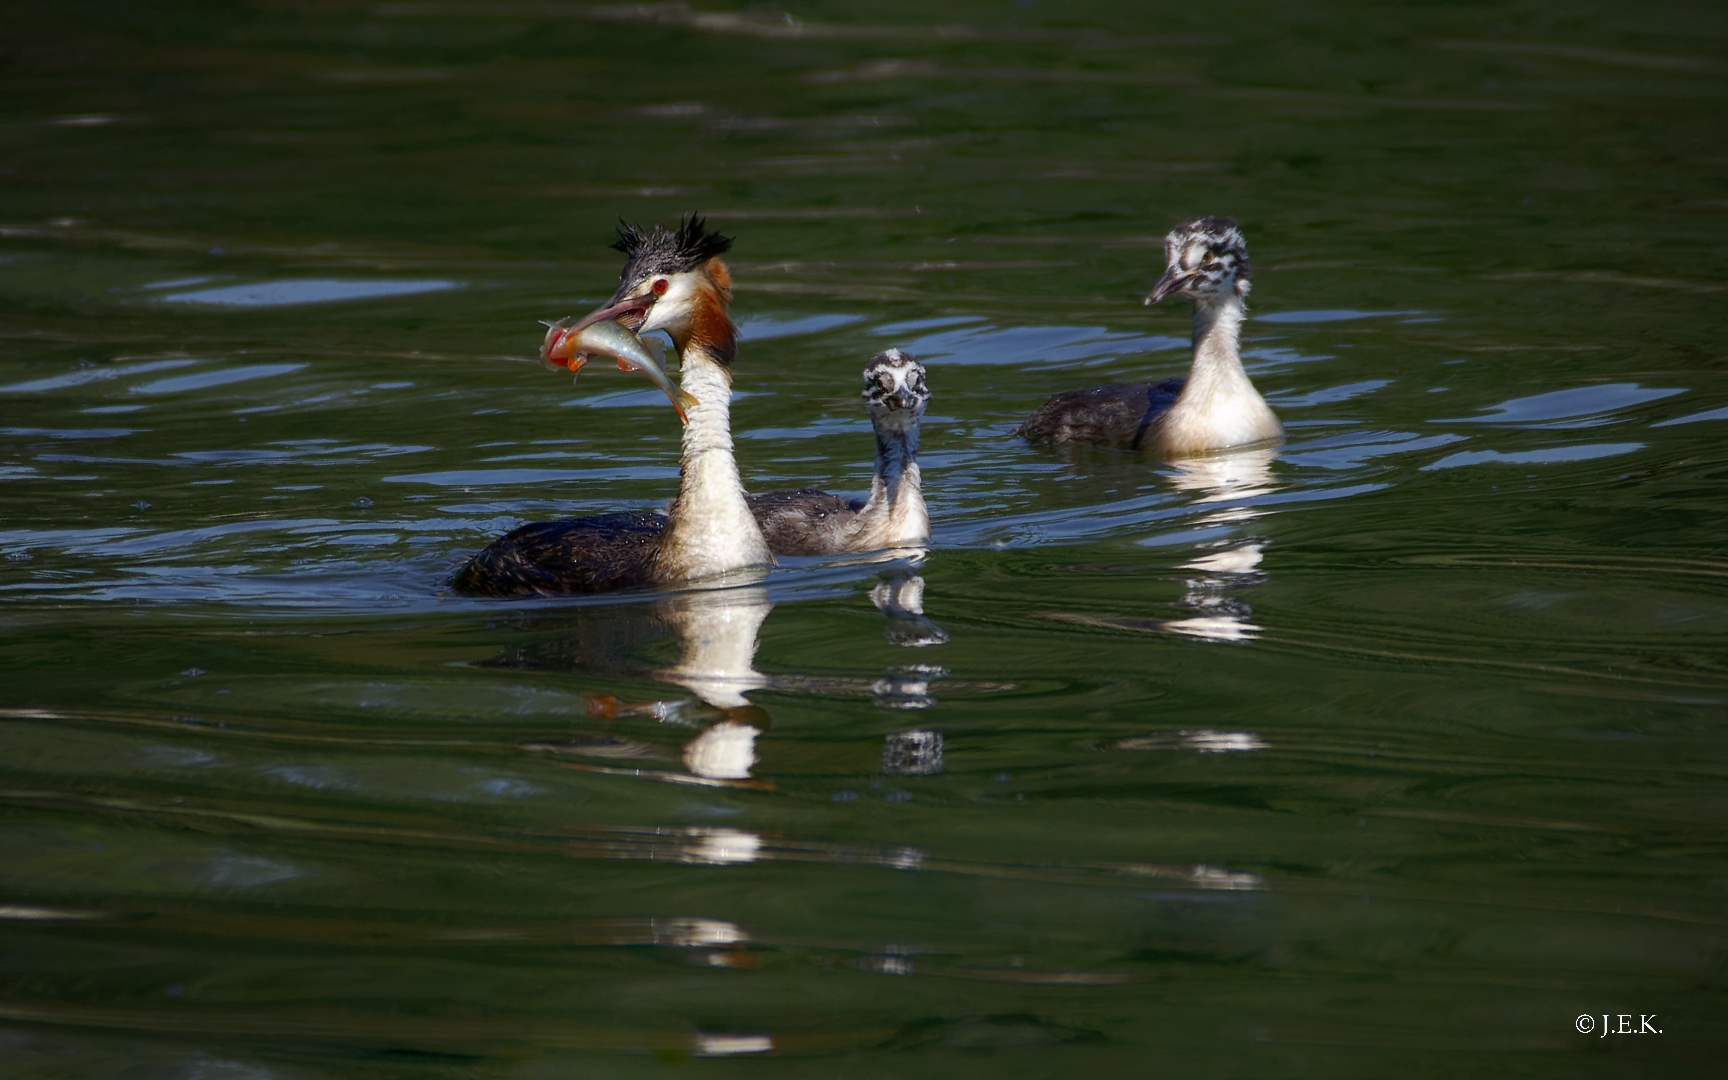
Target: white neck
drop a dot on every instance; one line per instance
(1219, 407)
(712, 531)
(894, 516)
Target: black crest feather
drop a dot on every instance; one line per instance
(659, 250)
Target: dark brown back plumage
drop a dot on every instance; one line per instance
(1123, 415)
(802, 522)
(560, 558)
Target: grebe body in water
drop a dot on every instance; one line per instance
(676, 282)
(1216, 407)
(812, 522)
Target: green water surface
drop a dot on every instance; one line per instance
(1393, 752)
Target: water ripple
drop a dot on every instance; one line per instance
(293, 292)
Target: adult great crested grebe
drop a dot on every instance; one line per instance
(812, 522)
(1216, 407)
(672, 281)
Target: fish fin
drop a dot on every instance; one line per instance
(685, 401)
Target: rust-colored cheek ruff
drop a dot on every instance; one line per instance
(721, 277)
(710, 328)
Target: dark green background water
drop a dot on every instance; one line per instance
(1390, 755)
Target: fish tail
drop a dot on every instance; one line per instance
(682, 402)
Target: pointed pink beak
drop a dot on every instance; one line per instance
(560, 347)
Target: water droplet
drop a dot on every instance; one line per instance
(19, 556)
(140, 505)
(362, 502)
(193, 672)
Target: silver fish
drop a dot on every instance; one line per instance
(571, 348)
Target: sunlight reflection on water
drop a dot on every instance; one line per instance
(304, 291)
(1592, 403)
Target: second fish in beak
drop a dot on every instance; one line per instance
(571, 343)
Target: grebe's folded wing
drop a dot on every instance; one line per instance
(1122, 415)
(563, 558)
(803, 521)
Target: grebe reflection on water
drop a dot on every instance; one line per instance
(1224, 560)
(716, 633)
(900, 596)
(1241, 474)
(1230, 564)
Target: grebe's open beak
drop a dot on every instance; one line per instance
(571, 343)
(626, 311)
(559, 348)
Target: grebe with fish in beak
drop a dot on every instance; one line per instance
(673, 281)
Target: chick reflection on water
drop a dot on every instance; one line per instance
(1232, 564)
(900, 596)
(912, 753)
(1226, 485)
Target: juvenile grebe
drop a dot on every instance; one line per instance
(812, 522)
(672, 281)
(1216, 407)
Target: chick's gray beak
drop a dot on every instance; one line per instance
(1172, 281)
(902, 399)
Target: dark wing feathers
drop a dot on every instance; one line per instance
(561, 558)
(803, 522)
(1123, 415)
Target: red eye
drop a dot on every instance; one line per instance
(660, 287)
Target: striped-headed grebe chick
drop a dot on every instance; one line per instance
(812, 522)
(1216, 407)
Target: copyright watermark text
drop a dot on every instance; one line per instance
(1617, 1024)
